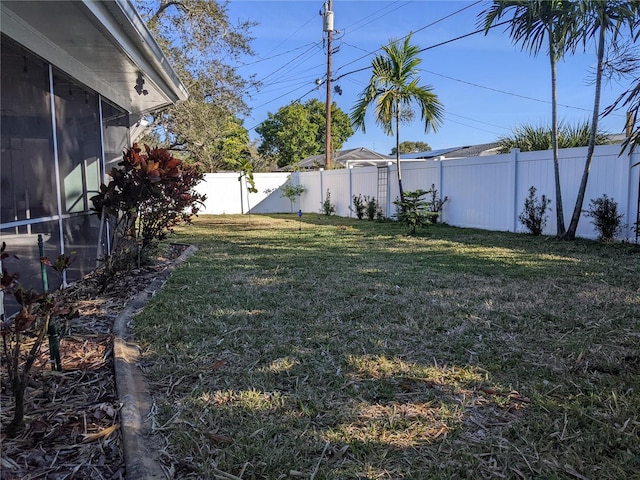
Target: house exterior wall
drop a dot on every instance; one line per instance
(485, 192)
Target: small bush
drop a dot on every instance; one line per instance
(414, 211)
(606, 219)
(373, 209)
(436, 204)
(23, 334)
(359, 205)
(328, 208)
(534, 216)
(147, 196)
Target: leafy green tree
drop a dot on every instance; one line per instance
(341, 128)
(197, 37)
(394, 88)
(603, 21)
(529, 138)
(533, 23)
(288, 136)
(297, 131)
(412, 147)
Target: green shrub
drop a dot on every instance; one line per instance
(373, 209)
(414, 211)
(147, 196)
(359, 205)
(606, 219)
(534, 216)
(328, 208)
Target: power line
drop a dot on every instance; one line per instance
(418, 30)
(360, 58)
(504, 92)
(277, 55)
(477, 121)
(376, 18)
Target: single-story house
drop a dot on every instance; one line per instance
(363, 157)
(354, 157)
(77, 78)
(454, 152)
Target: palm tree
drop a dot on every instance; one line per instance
(394, 88)
(534, 21)
(599, 19)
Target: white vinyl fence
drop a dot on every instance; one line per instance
(485, 192)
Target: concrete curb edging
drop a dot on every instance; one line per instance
(131, 385)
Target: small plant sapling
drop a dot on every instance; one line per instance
(328, 208)
(414, 211)
(373, 209)
(29, 326)
(291, 191)
(606, 219)
(534, 217)
(359, 205)
(436, 204)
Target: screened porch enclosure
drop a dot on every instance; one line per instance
(58, 136)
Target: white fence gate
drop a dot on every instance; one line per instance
(485, 192)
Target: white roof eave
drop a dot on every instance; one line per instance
(121, 48)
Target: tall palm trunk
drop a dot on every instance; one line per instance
(575, 218)
(560, 230)
(400, 189)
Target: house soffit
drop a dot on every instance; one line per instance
(103, 44)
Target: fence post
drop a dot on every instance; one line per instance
(513, 190)
(633, 224)
(321, 189)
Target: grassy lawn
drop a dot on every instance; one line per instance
(332, 348)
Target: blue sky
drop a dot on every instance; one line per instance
(487, 85)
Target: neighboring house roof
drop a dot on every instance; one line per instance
(363, 157)
(103, 44)
(455, 152)
(360, 157)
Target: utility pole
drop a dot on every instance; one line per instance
(327, 26)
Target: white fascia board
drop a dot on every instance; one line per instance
(136, 41)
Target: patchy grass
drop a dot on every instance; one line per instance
(331, 348)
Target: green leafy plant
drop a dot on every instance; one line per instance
(328, 208)
(23, 334)
(414, 210)
(606, 219)
(359, 205)
(147, 197)
(373, 209)
(534, 217)
(291, 191)
(436, 204)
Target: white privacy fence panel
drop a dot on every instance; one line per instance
(480, 192)
(311, 200)
(483, 192)
(364, 182)
(228, 193)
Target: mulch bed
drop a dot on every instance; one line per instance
(72, 417)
